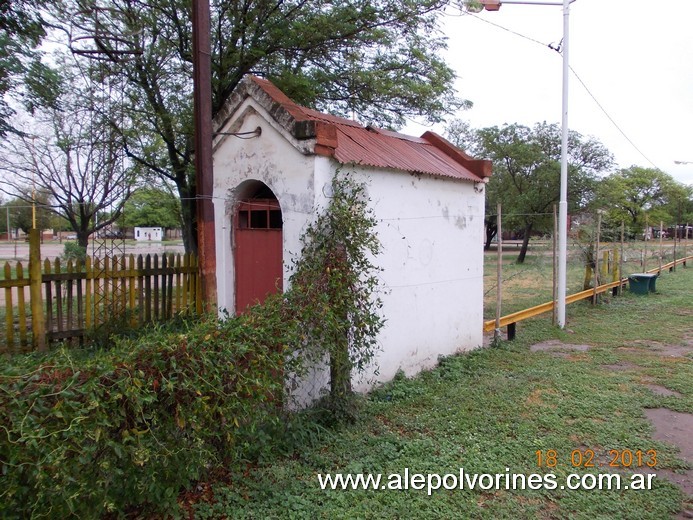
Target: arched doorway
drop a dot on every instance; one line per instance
(258, 245)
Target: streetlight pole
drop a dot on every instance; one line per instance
(563, 201)
(494, 5)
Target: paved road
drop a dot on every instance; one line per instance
(19, 251)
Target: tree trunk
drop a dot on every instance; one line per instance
(587, 281)
(83, 238)
(525, 243)
(189, 226)
(491, 231)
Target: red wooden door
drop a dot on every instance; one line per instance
(258, 251)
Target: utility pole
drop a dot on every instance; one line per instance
(202, 84)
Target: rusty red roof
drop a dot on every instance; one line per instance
(352, 143)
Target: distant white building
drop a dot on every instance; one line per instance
(144, 234)
(427, 195)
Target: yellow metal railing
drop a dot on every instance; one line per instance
(515, 317)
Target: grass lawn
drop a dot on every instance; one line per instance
(493, 409)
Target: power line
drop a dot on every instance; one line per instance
(509, 30)
(612, 119)
(584, 85)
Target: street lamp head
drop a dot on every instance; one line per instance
(491, 5)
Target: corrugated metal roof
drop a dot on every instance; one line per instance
(400, 152)
(350, 142)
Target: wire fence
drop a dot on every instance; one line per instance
(593, 264)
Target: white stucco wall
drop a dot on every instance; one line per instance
(273, 160)
(431, 230)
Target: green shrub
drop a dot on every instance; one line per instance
(129, 424)
(75, 252)
(85, 433)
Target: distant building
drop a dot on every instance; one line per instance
(145, 234)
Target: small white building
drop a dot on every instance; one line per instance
(273, 165)
(153, 234)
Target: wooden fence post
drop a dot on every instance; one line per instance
(554, 267)
(198, 287)
(38, 325)
(661, 244)
(596, 259)
(676, 237)
(647, 234)
(22, 309)
(615, 271)
(88, 293)
(685, 245)
(606, 260)
(9, 320)
(621, 257)
(132, 281)
(499, 275)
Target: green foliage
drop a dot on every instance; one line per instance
(74, 251)
(152, 207)
(21, 31)
(633, 194)
(526, 171)
(380, 60)
(129, 424)
(472, 6)
(21, 210)
(44, 87)
(334, 292)
(85, 433)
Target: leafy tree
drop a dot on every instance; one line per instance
(526, 173)
(72, 157)
(152, 207)
(22, 210)
(21, 31)
(378, 60)
(632, 194)
(679, 206)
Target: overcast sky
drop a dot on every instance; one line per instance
(634, 56)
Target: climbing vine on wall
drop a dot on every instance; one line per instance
(335, 290)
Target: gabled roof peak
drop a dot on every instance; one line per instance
(348, 141)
